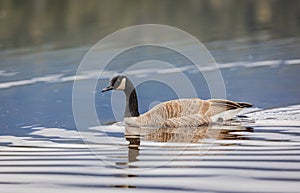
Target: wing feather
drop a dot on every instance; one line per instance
(185, 112)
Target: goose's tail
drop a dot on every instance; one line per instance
(245, 105)
(225, 109)
(228, 105)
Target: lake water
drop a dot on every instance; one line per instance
(41, 150)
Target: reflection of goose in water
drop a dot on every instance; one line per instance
(134, 136)
(185, 134)
(133, 147)
(175, 113)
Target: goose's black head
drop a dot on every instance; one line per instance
(117, 83)
(123, 83)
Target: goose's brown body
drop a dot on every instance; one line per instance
(185, 113)
(175, 113)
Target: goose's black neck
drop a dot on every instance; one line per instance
(131, 109)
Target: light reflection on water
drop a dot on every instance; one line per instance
(179, 159)
(41, 149)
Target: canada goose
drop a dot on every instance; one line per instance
(175, 113)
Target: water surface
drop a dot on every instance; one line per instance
(41, 149)
(256, 45)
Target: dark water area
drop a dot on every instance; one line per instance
(264, 78)
(256, 46)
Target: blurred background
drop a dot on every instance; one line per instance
(66, 23)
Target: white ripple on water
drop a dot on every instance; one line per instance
(265, 159)
(94, 74)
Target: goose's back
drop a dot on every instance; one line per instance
(180, 107)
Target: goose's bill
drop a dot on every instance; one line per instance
(107, 89)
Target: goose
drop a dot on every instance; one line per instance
(191, 112)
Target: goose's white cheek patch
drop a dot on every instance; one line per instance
(122, 85)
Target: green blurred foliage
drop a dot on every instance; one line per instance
(60, 23)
